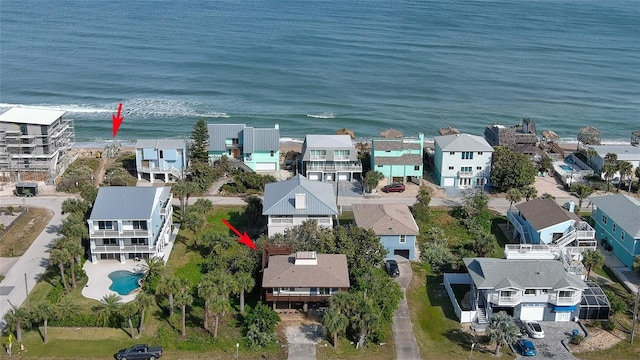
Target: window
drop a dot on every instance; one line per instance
(324, 291)
(272, 153)
(139, 225)
(318, 154)
(466, 169)
(466, 155)
(341, 154)
(110, 241)
(403, 239)
(450, 167)
(530, 291)
(565, 294)
(478, 167)
(615, 228)
(138, 241)
(161, 154)
(416, 168)
(380, 166)
(452, 152)
(229, 153)
(622, 235)
(543, 291)
(508, 293)
(604, 219)
(105, 225)
(479, 153)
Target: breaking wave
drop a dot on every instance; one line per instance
(322, 115)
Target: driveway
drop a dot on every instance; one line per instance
(302, 339)
(404, 338)
(550, 347)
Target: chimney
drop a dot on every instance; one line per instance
(572, 206)
(306, 258)
(301, 201)
(277, 126)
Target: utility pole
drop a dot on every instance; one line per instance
(26, 290)
(635, 312)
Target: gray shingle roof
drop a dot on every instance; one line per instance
(622, 209)
(328, 143)
(330, 272)
(462, 142)
(127, 202)
(404, 159)
(279, 197)
(161, 144)
(385, 219)
(492, 273)
(543, 213)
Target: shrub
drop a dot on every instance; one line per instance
(617, 304)
(609, 325)
(577, 339)
(55, 294)
(259, 325)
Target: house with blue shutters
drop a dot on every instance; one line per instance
(129, 222)
(399, 160)
(462, 161)
(617, 223)
(257, 148)
(393, 223)
(162, 159)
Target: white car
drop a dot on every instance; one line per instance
(534, 329)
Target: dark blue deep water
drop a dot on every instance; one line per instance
(315, 67)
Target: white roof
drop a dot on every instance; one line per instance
(624, 152)
(462, 142)
(31, 116)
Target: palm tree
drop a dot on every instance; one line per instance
(129, 310)
(547, 196)
(179, 189)
(168, 285)
(184, 299)
(529, 192)
(153, 267)
(591, 259)
(207, 291)
(502, 330)
(625, 169)
(581, 191)
(66, 307)
(245, 283)
(194, 220)
(143, 302)
(71, 244)
(60, 257)
(109, 309)
(637, 173)
(513, 195)
(608, 170)
(334, 322)
(43, 312)
(16, 319)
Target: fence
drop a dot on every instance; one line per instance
(455, 279)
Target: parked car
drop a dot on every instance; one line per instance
(526, 347)
(395, 187)
(534, 329)
(140, 351)
(392, 268)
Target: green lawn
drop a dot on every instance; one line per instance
(347, 350)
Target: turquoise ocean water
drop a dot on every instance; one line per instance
(315, 67)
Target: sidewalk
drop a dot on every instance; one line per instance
(629, 278)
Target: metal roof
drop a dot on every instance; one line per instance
(254, 139)
(621, 209)
(127, 202)
(330, 272)
(279, 197)
(624, 152)
(161, 144)
(462, 142)
(219, 133)
(543, 213)
(492, 273)
(31, 116)
(385, 219)
(328, 142)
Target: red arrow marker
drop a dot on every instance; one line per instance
(117, 120)
(244, 238)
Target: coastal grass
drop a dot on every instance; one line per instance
(25, 230)
(347, 349)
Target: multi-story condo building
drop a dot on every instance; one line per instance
(330, 158)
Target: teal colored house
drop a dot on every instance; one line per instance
(393, 223)
(257, 148)
(617, 222)
(399, 160)
(163, 159)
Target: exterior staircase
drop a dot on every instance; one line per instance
(566, 239)
(481, 309)
(240, 165)
(175, 172)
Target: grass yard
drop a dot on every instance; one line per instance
(24, 231)
(347, 350)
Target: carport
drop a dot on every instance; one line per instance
(594, 304)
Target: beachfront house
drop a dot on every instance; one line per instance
(521, 138)
(34, 143)
(249, 148)
(462, 161)
(129, 222)
(291, 202)
(162, 159)
(393, 223)
(526, 289)
(399, 160)
(303, 278)
(330, 158)
(630, 153)
(617, 224)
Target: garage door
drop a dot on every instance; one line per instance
(314, 177)
(532, 313)
(343, 177)
(266, 166)
(403, 253)
(449, 182)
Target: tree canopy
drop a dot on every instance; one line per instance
(511, 170)
(199, 151)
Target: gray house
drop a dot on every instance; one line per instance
(330, 158)
(291, 202)
(129, 222)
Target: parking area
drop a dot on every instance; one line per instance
(550, 347)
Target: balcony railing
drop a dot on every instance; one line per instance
(281, 221)
(298, 298)
(465, 173)
(121, 233)
(505, 300)
(99, 249)
(565, 300)
(335, 167)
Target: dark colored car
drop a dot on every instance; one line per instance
(140, 352)
(392, 268)
(395, 187)
(526, 347)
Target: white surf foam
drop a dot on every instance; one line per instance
(322, 115)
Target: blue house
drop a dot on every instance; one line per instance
(163, 159)
(129, 222)
(399, 160)
(393, 223)
(258, 149)
(617, 222)
(462, 161)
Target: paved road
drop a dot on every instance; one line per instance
(35, 260)
(403, 336)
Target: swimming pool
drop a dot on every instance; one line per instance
(124, 282)
(566, 167)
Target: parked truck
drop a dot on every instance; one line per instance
(141, 351)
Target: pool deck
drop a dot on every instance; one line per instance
(98, 284)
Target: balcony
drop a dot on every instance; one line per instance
(464, 174)
(565, 300)
(101, 249)
(351, 167)
(505, 300)
(120, 234)
(297, 297)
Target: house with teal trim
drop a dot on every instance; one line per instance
(163, 159)
(330, 158)
(393, 223)
(257, 148)
(399, 160)
(617, 223)
(462, 161)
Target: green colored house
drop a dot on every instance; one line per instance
(399, 159)
(257, 148)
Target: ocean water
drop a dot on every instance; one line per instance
(315, 67)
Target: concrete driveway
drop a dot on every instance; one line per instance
(550, 347)
(404, 338)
